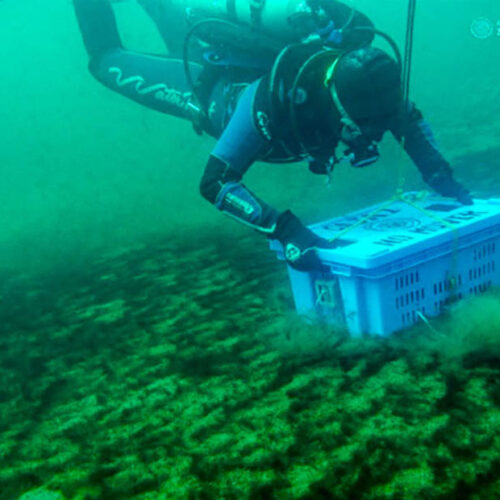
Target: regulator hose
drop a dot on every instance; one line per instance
(185, 51)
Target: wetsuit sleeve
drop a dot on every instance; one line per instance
(156, 82)
(422, 148)
(238, 147)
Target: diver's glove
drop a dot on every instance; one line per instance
(464, 197)
(299, 242)
(446, 185)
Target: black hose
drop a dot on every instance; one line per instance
(350, 19)
(405, 64)
(304, 150)
(387, 38)
(185, 50)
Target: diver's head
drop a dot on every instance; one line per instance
(367, 82)
(365, 86)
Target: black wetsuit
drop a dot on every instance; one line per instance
(235, 108)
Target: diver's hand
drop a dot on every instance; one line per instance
(447, 186)
(299, 242)
(464, 197)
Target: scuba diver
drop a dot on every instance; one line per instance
(273, 81)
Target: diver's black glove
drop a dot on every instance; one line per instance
(464, 197)
(447, 186)
(299, 242)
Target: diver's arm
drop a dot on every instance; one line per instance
(168, 23)
(156, 82)
(421, 146)
(236, 150)
(97, 25)
(221, 185)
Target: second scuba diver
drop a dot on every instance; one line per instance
(268, 99)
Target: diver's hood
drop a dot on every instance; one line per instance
(368, 83)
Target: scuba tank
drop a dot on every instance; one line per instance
(232, 33)
(281, 20)
(244, 33)
(256, 26)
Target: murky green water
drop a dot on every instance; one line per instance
(148, 346)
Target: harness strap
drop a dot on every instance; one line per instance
(231, 9)
(256, 8)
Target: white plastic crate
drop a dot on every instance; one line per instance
(401, 264)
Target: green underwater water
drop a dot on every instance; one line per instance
(148, 346)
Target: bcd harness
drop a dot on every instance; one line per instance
(293, 107)
(297, 108)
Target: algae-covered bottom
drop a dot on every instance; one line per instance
(167, 372)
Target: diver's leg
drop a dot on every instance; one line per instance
(156, 82)
(97, 25)
(169, 22)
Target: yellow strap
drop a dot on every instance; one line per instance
(363, 220)
(398, 196)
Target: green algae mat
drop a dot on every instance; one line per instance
(165, 371)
